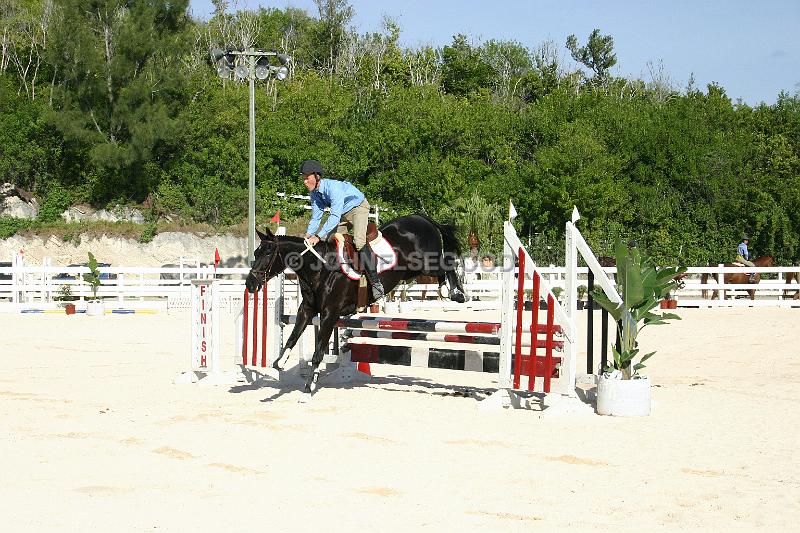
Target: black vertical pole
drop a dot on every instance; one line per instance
(336, 332)
(590, 327)
(604, 340)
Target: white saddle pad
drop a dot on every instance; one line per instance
(383, 250)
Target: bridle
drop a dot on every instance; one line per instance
(263, 273)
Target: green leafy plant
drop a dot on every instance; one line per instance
(404, 290)
(557, 292)
(10, 226)
(528, 293)
(641, 286)
(64, 294)
(93, 276)
(148, 233)
(582, 291)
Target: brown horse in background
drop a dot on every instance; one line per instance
(739, 278)
(792, 277)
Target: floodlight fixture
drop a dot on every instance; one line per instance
(242, 72)
(262, 68)
(225, 61)
(250, 65)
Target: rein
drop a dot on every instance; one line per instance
(263, 273)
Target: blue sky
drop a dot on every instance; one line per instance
(749, 47)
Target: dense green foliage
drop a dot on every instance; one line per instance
(115, 101)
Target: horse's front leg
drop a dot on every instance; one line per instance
(327, 324)
(304, 316)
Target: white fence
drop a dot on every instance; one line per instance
(24, 285)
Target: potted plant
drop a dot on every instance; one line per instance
(621, 390)
(668, 302)
(581, 295)
(406, 305)
(527, 297)
(557, 291)
(94, 307)
(65, 295)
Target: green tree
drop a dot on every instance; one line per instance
(118, 88)
(463, 69)
(334, 16)
(598, 54)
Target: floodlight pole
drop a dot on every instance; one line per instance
(251, 190)
(251, 58)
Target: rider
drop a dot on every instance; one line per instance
(348, 209)
(743, 256)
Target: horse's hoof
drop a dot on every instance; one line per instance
(304, 398)
(458, 297)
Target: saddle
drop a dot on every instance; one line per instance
(352, 255)
(350, 248)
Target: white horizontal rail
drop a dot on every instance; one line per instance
(39, 283)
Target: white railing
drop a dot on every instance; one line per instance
(147, 286)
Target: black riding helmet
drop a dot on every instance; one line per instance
(311, 166)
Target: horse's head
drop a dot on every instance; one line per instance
(268, 262)
(764, 261)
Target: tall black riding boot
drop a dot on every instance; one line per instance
(369, 266)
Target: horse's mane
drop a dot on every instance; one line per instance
(291, 238)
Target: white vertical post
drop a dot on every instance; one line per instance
(571, 288)
(278, 311)
(22, 278)
(507, 311)
(14, 279)
(216, 367)
(720, 281)
(43, 289)
(205, 335)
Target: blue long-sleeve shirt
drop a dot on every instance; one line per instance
(742, 250)
(339, 196)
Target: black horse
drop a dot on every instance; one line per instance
(423, 247)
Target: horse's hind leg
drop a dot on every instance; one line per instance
(440, 292)
(456, 289)
(448, 271)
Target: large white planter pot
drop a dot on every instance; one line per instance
(623, 397)
(407, 306)
(391, 308)
(95, 308)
